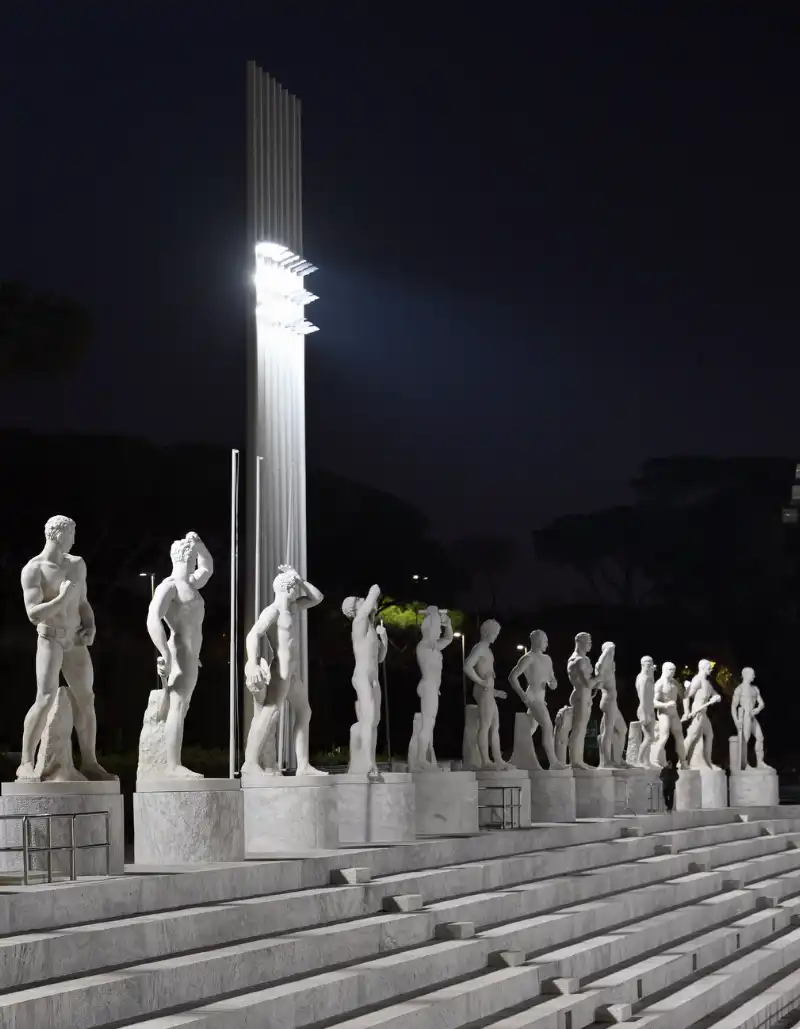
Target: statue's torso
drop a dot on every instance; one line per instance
(484, 666)
(645, 688)
(666, 692)
(538, 674)
(185, 618)
(429, 660)
(365, 650)
(51, 576)
(579, 670)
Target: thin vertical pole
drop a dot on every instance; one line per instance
(257, 580)
(234, 587)
(386, 701)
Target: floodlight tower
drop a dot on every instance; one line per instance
(277, 327)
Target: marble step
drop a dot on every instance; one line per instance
(766, 1007)
(720, 986)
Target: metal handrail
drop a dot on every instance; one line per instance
(27, 849)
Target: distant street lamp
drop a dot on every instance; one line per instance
(521, 646)
(460, 636)
(152, 577)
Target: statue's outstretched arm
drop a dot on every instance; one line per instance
(205, 564)
(369, 605)
(311, 598)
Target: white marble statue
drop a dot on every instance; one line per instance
(700, 696)
(584, 683)
(178, 602)
(612, 725)
(479, 668)
(437, 634)
(56, 602)
(747, 704)
(646, 712)
(665, 701)
(537, 668)
(370, 643)
(272, 674)
(562, 729)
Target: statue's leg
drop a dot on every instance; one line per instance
(494, 736)
(680, 746)
(759, 738)
(658, 753)
(542, 716)
(429, 708)
(49, 655)
(301, 709)
(485, 701)
(577, 736)
(79, 676)
(264, 719)
(747, 730)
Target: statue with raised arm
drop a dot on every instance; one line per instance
(370, 644)
(479, 669)
(666, 694)
(536, 667)
(272, 674)
(178, 603)
(646, 712)
(584, 683)
(612, 724)
(56, 602)
(700, 696)
(437, 634)
(747, 704)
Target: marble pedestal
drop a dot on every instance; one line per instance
(595, 793)
(64, 798)
(713, 788)
(375, 810)
(496, 806)
(187, 821)
(637, 790)
(446, 803)
(289, 813)
(754, 787)
(688, 790)
(552, 795)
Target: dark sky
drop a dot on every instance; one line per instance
(551, 245)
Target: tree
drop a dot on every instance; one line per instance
(487, 558)
(41, 336)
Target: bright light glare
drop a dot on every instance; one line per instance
(520, 646)
(281, 295)
(456, 635)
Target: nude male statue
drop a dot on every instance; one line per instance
(747, 704)
(665, 701)
(537, 668)
(437, 634)
(612, 724)
(700, 697)
(56, 602)
(273, 677)
(177, 601)
(579, 673)
(479, 668)
(646, 712)
(370, 644)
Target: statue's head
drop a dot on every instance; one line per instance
(182, 551)
(583, 642)
(60, 530)
(748, 675)
(668, 670)
(350, 606)
(287, 581)
(490, 630)
(605, 663)
(431, 627)
(648, 664)
(704, 667)
(539, 641)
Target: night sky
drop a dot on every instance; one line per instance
(550, 246)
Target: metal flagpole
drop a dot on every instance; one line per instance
(234, 587)
(257, 578)
(282, 714)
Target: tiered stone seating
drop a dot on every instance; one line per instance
(667, 921)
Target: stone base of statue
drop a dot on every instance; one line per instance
(524, 753)
(504, 798)
(285, 813)
(470, 754)
(688, 790)
(187, 821)
(637, 790)
(713, 788)
(552, 795)
(634, 744)
(595, 793)
(98, 808)
(754, 787)
(375, 809)
(446, 803)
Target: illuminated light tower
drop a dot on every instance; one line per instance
(277, 327)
